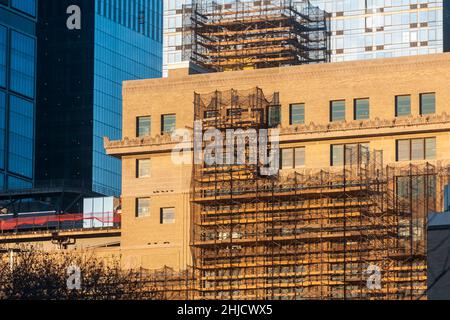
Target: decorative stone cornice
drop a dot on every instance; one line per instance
(157, 140)
(410, 121)
(339, 128)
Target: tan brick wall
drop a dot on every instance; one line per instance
(154, 245)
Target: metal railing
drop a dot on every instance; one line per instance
(44, 221)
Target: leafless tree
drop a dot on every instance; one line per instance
(36, 274)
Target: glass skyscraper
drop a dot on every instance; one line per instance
(80, 85)
(17, 92)
(360, 29)
(368, 29)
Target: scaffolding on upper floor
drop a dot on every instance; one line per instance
(239, 35)
(307, 234)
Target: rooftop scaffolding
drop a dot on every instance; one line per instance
(255, 34)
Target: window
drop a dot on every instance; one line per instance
(274, 117)
(416, 149)
(403, 150)
(142, 207)
(143, 168)
(3, 55)
(416, 186)
(402, 106)
(287, 158)
(430, 148)
(21, 136)
(292, 157)
(361, 109)
(234, 112)
(22, 64)
(16, 183)
(210, 114)
(337, 155)
(355, 153)
(27, 6)
(427, 103)
(167, 215)
(168, 122)
(2, 128)
(337, 110)
(143, 126)
(297, 113)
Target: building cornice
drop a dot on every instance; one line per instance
(303, 72)
(308, 132)
(357, 125)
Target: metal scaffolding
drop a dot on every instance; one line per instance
(311, 234)
(255, 34)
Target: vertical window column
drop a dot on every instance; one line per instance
(427, 103)
(274, 116)
(22, 64)
(21, 128)
(361, 109)
(337, 110)
(297, 113)
(142, 207)
(168, 123)
(143, 126)
(167, 216)
(143, 168)
(402, 105)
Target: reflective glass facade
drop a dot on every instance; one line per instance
(360, 29)
(80, 98)
(18, 60)
(128, 45)
(384, 28)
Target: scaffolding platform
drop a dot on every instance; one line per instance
(255, 34)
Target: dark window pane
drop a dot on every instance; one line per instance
(167, 215)
(351, 154)
(364, 153)
(168, 122)
(27, 6)
(2, 128)
(337, 155)
(287, 158)
(403, 187)
(143, 126)
(211, 114)
(142, 207)
(299, 157)
(430, 148)
(143, 168)
(337, 111)
(22, 64)
(16, 183)
(3, 55)
(361, 109)
(274, 116)
(417, 149)
(403, 150)
(427, 103)
(297, 113)
(402, 105)
(21, 127)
